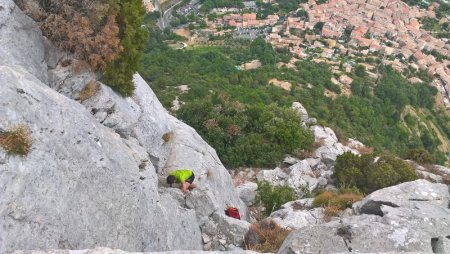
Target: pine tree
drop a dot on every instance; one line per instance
(118, 74)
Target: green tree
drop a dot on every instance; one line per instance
(273, 197)
(118, 74)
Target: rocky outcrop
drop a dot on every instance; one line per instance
(103, 250)
(81, 185)
(410, 195)
(298, 214)
(95, 174)
(247, 192)
(21, 41)
(410, 217)
(330, 147)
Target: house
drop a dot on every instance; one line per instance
(346, 80)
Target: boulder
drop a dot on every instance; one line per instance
(324, 135)
(298, 214)
(302, 178)
(330, 147)
(297, 106)
(408, 194)
(409, 217)
(441, 170)
(247, 192)
(81, 185)
(222, 232)
(366, 234)
(275, 176)
(21, 41)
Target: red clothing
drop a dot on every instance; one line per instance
(233, 212)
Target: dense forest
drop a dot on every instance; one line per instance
(226, 104)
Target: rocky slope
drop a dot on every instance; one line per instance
(95, 173)
(409, 217)
(96, 170)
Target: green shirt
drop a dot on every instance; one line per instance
(181, 175)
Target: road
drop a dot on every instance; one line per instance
(166, 16)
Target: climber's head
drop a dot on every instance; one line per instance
(171, 179)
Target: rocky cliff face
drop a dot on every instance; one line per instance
(95, 172)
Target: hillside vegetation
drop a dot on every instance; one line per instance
(373, 114)
(105, 34)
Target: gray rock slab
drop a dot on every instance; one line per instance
(65, 81)
(405, 195)
(363, 234)
(104, 250)
(21, 41)
(247, 192)
(81, 185)
(294, 216)
(275, 176)
(189, 150)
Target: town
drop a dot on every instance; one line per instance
(341, 33)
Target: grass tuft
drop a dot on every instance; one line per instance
(89, 90)
(16, 140)
(168, 136)
(265, 236)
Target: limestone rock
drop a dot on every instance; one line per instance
(409, 217)
(21, 41)
(189, 150)
(233, 230)
(302, 178)
(297, 106)
(407, 194)
(298, 214)
(365, 234)
(275, 177)
(247, 192)
(324, 135)
(103, 250)
(330, 147)
(81, 185)
(63, 80)
(52, 54)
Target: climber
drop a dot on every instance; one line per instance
(184, 176)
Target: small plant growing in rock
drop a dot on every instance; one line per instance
(89, 90)
(333, 203)
(16, 140)
(273, 197)
(209, 173)
(168, 136)
(265, 236)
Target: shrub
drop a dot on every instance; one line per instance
(273, 197)
(119, 73)
(107, 34)
(420, 156)
(323, 199)
(89, 90)
(265, 236)
(16, 140)
(365, 174)
(87, 29)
